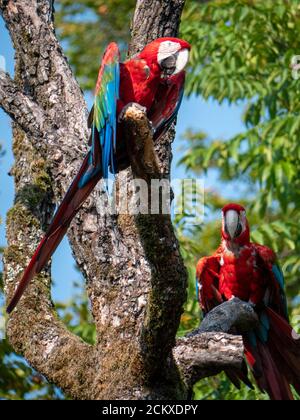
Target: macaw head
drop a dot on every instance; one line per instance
(171, 55)
(235, 227)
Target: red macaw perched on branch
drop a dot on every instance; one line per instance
(248, 271)
(154, 79)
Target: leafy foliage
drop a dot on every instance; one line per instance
(76, 315)
(86, 27)
(18, 381)
(242, 53)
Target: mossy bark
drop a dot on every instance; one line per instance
(112, 251)
(135, 276)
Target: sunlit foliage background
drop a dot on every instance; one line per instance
(242, 51)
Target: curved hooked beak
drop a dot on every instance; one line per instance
(233, 226)
(182, 60)
(175, 63)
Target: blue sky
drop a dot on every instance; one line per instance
(217, 121)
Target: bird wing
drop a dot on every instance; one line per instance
(167, 103)
(207, 281)
(275, 296)
(103, 120)
(272, 348)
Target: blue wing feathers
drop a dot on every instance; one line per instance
(110, 126)
(104, 128)
(264, 320)
(262, 332)
(252, 338)
(278, 275)
(264, 327)
(106, 151)
(197, 288)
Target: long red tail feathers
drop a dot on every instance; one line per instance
(237, 376)
(70, 205)
(285, 348)
(272, 380)
(276, 364)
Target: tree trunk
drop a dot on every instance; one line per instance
(135, 276)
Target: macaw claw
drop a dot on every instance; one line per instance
(126, 107)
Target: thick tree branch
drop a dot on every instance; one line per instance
(210, 349)
(33, 329)
(232, 316)
(23, 110)
(107, 248)
(167, 284)
(207, 354)
(143, 159)
(136, 279)
(54, 352)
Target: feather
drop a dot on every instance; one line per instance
(102, 120)
(166, 106)
(237, 376)
(252, 273)
(105, 109)
(137, 83)
(57, 229)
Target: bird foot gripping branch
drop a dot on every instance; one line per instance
(135, 105)
(154, 79)
(139, 134)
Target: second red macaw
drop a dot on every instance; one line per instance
(240, 268)
(154, 79)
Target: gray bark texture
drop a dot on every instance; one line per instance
(135, 276)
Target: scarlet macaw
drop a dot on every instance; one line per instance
(154, 79)
(250, 272)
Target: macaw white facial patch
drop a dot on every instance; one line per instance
(166, 49)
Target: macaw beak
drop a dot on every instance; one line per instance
(182, 60)
(233, 226)
(174, 63)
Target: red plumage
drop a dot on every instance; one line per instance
(56, 231)
(249, 271)
(153, 79)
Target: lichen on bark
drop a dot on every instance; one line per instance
(135, 276)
